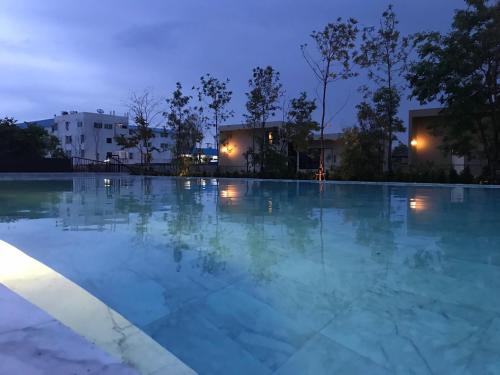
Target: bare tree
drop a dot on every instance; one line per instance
(146, 107)
(334, 49)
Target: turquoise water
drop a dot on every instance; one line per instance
(261, 277)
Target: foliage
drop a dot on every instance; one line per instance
(214, 93)
(384, 54)
(334, 46)
(299, 125)
(461, 71)
(140, 139)
(185, 124)
(262, 102)
(30, 142)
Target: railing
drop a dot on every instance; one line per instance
(89, 165)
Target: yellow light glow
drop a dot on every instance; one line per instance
(418, 203)
(414, 142)
(227, 149)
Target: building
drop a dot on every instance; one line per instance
(425, 147)
(92, 136)
(237, 139)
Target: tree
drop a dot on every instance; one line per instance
(145, 109)
(298, 128)
(384, 54)
(185, 123)
(216, 96)
(262, 102)
(364, 144)
(141, 139)
(334, 46)
(461, 71)
(29, 142)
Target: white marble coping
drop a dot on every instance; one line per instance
(85, 314)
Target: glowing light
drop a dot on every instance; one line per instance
(227, 149)
(107, 182)
(187, 185)
(418, 203)
(229, 192)
(414, 142)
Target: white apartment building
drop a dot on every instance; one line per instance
(92, 136)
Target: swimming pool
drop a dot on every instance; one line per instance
(239, 276)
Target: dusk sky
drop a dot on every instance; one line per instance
(82, 55)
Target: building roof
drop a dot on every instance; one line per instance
(244, 126)
(425, 112)
(275, 124)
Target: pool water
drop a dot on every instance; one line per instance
(239, 276)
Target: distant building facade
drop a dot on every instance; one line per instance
(92, 136)
(235, 140)
(425, 147)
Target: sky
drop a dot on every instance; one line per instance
(60, 55)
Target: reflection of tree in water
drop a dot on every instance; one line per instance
(31, 199)
(184, 217)
(142, 204)
(262, 257)
(298, 215)
(368, 208)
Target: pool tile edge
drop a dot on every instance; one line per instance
(84, 313)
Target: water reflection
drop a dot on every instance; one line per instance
(205, 223)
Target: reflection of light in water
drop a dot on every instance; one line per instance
(214, 182)
(187, 185)
(229, 191)
(418, 203)
(107, 182)
(203, 182)
(270, 206)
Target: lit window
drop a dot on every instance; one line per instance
(270, 137)
(414, 142)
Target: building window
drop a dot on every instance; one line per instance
(98, 125)
(66, 124)
(79, 124)
(108, 126)
(54, 128)
(68, 153)
(164, 146)
(82, 153)
(270, 137)
(130, 155)
(82, 138)
(109, 140)
(121, 126)
(109, 155)
(68, 139)
(97, 156)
